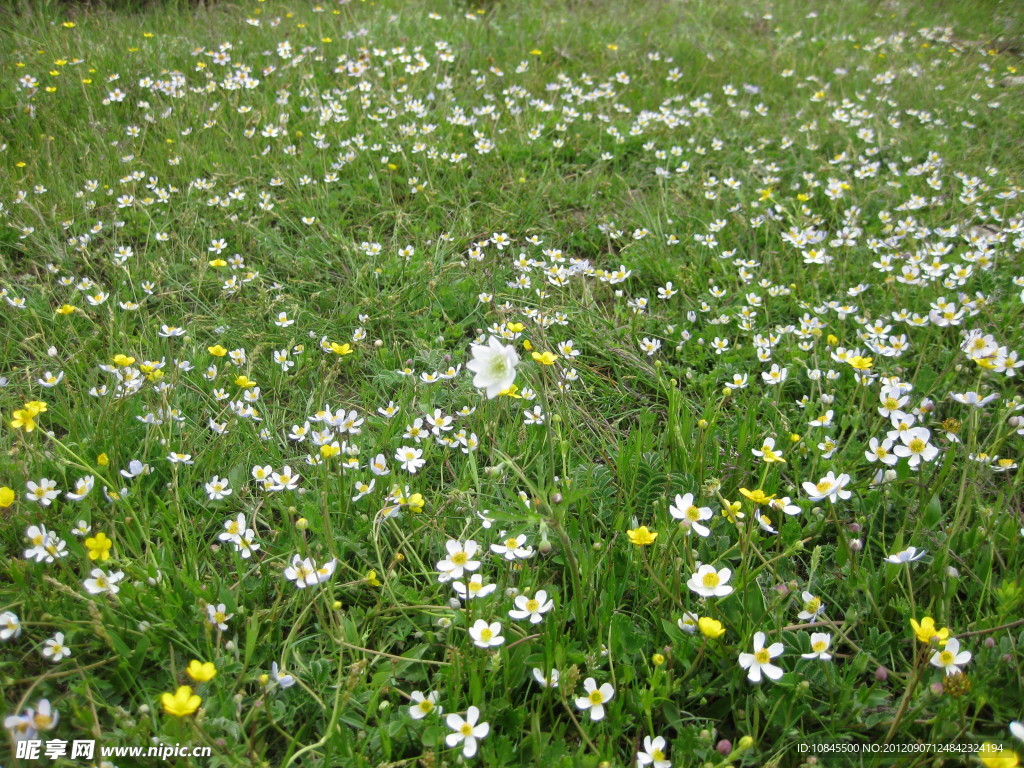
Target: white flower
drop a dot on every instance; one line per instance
(43, 492)
(812, 608)
(54, 648)
(102, 582)
(688, 623)
(494, 366)
(532, 608)
(44, 717)
(595, 698)
(691, 515)
(459, 560)
(486, 635)
(283, 480)
(1017, 729)
(708, 582)
(820, 642)
(10, 625)
(549, 680)
(513, 547)
(829, 487)
(280, 677)
(475, 588)
(466, 731)
(951, 658)
(218, 616)
(653, 753)
(916, 447)
(82, 488)
(423, 705)
(217, 488)
(410, 459)
(760, 660)
(908, 555)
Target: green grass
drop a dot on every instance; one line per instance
(756, 124)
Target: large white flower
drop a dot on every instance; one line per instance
(595, 698)
(760, 660)
(709, 582)
(466, 731)
(494, 366)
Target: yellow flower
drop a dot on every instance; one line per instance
(641, 536)
(831, 340)
(926, 631)
(710, 628)
(516, 327)
(103, 460)
(994, 757)
(180, 703)
(545, 358)
(123, 360)
(244, 382)
(732, 511)
(511, 392)
(69, 25)
(217, 350)
(341, 349)
(7, 497)
(535, 52)
(99, 547)
(218, 263)
(65, 309)
(23, 419)
(327, 451)
(527, 345)
(757, 496)
(416, 502)
(371, 579)
(657, 659)
(201, 671)
(861, 363)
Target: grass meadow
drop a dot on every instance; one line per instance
(564, 383)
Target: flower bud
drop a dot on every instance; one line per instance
(990, 642)
(723, 747)
(556, 498)
(881, 674)
(856, 545)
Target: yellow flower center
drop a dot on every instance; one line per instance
(692, 513)
(711, 580)
(946, 657)
(466, 729)
(762, 656)
(916, 445)
(532, 605)
(819, 646)
(595, 697)
(823, 486)
(486, 634)
(459, 558)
